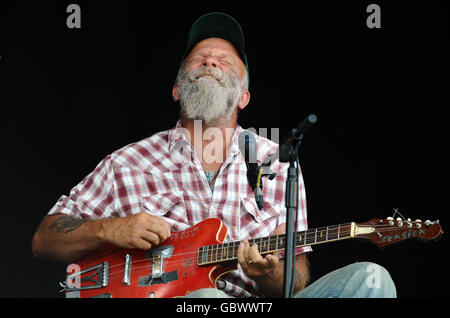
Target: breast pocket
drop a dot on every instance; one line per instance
(170, 206)
(256, 223)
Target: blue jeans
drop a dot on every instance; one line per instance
(358, 280)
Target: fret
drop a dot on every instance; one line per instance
(263, 246)
(234, 250)
(309, 240)
(208, 254)
(322, 236)
(331, 233)
(230, 250)
(326, 236)
(298, 239)
(339, 232)
(319, 235)
(224, 251)
(201, 253)
(270, 246)
(213, 253)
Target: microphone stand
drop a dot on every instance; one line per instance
(289, 153)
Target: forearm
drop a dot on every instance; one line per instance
(65, 238)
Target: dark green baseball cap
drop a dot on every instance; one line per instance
(217, 25)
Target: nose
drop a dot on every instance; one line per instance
(210, 61)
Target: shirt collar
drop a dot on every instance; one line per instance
(178, 134)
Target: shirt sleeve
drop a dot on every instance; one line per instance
(93, 197)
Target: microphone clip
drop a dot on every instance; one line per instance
(255, 174)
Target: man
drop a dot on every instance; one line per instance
(174, 179)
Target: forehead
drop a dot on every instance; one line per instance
(217, 44)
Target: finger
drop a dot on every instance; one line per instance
(150, 237)
(159, 227)
(141, 244)
(254, 254)
(240, 254)
(272, 260)
(247, 256)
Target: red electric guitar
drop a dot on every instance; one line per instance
(187, 260)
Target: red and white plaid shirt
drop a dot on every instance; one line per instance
(144, 176)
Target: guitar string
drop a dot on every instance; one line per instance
(311, 233)
(272, 242)
(342, 232)
(184, 260)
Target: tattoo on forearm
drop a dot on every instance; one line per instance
(66, 224)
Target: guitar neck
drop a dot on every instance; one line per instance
(227, 252)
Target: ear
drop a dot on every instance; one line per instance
(245, 99)
(175, 93)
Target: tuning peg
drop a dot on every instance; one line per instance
(391, 220)
(427, 222)
(409, 219)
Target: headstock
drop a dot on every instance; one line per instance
(389, 231)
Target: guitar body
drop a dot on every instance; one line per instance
(168, 270)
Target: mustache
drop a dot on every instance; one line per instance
(221, 77)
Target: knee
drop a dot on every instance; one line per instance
(375, 280)
(207, 293)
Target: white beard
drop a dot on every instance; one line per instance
(205, 99)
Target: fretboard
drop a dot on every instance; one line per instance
(227, 252)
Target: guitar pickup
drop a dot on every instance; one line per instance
(96, 277)
(158, 276)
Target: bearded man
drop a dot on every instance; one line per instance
(140, 194)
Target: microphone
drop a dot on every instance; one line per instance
(247, 145)
(304, 126)
(295, 137)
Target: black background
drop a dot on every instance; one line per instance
(72, 96)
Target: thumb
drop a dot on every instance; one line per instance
(272, 259)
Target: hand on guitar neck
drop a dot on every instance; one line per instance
(268, 270)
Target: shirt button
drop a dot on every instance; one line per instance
(220, 284)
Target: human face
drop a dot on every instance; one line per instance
(215, 53)
(209, 84)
